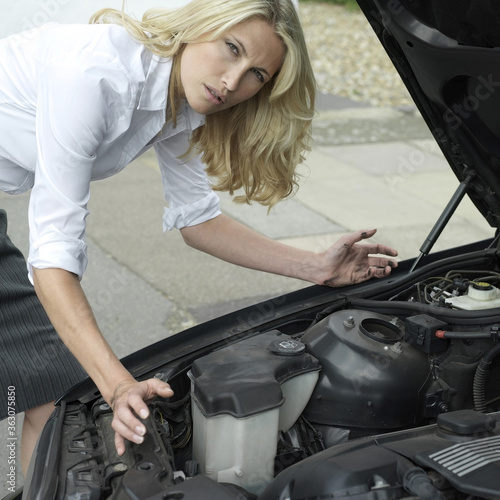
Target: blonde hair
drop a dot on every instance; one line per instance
(257, 144)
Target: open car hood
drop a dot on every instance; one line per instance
(447, 55)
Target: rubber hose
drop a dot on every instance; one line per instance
(416, 482)
(466, 335)
(478, 391)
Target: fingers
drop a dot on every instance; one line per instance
(365, 233)
(380, 272)
(158, 388)
(381, 249)
(381, 262)
(362, 234)
(380, 267)
(128, 404)
(387, 251)
(375, 248)
(125, 421)
(119, 444)
(127, 426)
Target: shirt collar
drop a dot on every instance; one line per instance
(193, 119)
(154, 93)
(154, 90)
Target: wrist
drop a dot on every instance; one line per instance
(312, 268)
(110, 382)
(118, 390)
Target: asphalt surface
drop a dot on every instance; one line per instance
(369, 167)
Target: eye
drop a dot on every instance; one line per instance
(232, 47)
(258, 75)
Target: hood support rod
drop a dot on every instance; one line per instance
(444, 218)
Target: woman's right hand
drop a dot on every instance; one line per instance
(67, 306)
(128, 403)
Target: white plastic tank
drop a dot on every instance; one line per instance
(242, 396)
(480, 295)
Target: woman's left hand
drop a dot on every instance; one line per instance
(347, 262)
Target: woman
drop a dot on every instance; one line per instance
(218, 85)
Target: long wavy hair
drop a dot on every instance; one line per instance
(255, 145)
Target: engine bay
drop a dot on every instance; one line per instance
(367, 391)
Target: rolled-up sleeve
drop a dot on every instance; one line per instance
(76, 105)
(188, 193)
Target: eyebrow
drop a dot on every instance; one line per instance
(263, 70)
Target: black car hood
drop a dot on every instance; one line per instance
(448, 55)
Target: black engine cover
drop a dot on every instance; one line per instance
(462, 451)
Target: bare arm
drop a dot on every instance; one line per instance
(67, 307)
(343, 263)
(62, 296)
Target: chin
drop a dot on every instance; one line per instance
(202, 108)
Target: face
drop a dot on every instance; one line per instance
(222, 73)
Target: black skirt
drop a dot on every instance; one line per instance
(35, 366)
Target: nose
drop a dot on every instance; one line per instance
(232, 79)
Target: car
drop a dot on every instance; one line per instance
(382, 390)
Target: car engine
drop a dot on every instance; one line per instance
(366, 400)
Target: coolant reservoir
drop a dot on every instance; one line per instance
(242, 396)
(370, 378)
(480, 295)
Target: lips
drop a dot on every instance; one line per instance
(213, 96)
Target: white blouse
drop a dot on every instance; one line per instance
(78, 103)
